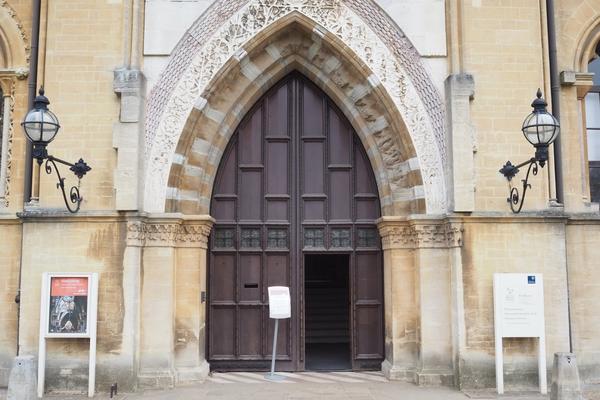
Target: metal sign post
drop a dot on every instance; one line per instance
(519, 313)
(279, 308)
(68, 309)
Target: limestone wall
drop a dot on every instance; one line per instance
(84, 45)
(10, 253)
(92, 244)
(523, 245)
(502, 49)
(159, 328)
(583, 254)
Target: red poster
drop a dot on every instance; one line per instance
(68, 304)
(69, 287)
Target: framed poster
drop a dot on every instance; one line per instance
(68, 309)
(69, 304)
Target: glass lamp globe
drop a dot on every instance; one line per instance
(40, 124)
(540, 128)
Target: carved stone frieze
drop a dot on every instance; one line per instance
(410, 235)
(196, 62)
(168, 234)
(13, 15)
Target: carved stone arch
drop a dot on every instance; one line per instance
(14, 57)
(403, 136)
(292, 44)
(588, 39)
(14, 45)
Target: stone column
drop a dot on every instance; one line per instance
(190, 299)
(400, 303)
(432, 263)
(576, 178)
(157, 308)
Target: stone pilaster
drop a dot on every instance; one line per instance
(401, 317)
(127, 137)
(190, 298)
(419, 299)
(433, 239)
(173, 258)
(462, 144)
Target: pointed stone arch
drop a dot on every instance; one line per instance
(14, 57)
(212, 81)
(14, 45)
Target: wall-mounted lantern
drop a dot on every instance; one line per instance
(540, 128)
(41, 126)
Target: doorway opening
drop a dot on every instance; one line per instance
(327, 312)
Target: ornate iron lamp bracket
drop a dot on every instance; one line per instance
(516, 199)
(80, 168)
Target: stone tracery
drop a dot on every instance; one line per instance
(169, 113)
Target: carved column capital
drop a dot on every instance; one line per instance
(404, 234)
(176, 232)
(397, 235)
(194, 234)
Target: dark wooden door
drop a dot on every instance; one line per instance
(294, 180)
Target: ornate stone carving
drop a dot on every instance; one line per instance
(6, 138)
(418, 235)
(194, 235)
(168, 234)
(4, 4)
(204, 51)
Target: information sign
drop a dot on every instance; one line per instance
(519, 313)
(279, 302)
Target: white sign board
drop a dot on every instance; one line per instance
(519, 313)
(279, 302)
(520, 304)
(68, 309)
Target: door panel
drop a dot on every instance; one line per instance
(294, 180)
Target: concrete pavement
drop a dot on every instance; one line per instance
(313, 386)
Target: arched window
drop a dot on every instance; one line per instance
(592, 111)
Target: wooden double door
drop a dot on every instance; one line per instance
(294, 184)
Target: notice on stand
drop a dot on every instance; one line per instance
(518, 313)
(279, 302)
(519, 301)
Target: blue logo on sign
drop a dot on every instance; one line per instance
(531, 279)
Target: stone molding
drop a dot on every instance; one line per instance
(582, 81)
(294, 46)
(227, 26)
(169, 232)
(19, 31)
(7, 83)
(420, 234)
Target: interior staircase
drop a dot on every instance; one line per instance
(327, 313)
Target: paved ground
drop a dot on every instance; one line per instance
(314, 386)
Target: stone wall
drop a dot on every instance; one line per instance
(85, 244)
(583, 254)
(85, 44)
(438, 293)
(10, 257)
(491, 245)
